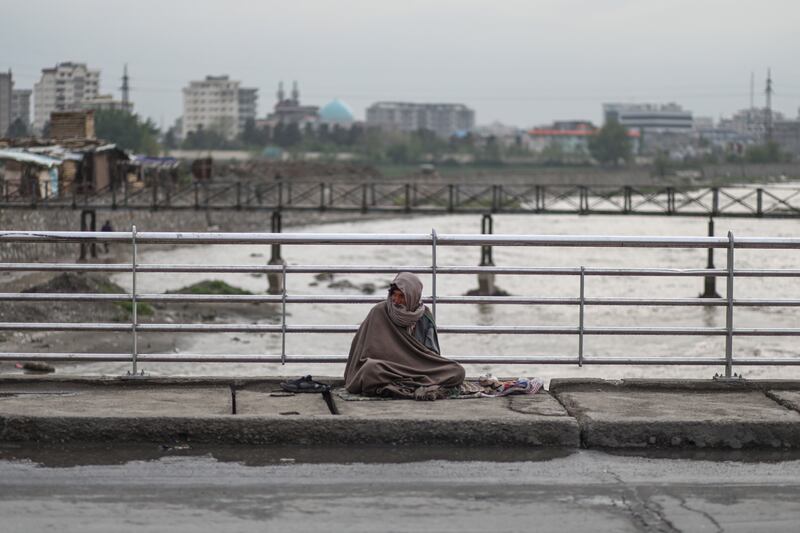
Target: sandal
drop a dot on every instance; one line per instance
(304, 384)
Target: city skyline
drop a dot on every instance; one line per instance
(552, 60)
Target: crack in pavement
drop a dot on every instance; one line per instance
(648, 516)
(705, 514)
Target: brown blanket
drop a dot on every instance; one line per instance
(386, 360)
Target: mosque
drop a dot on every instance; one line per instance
(291, 111)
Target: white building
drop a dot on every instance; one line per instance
(442, 119)
(751, 123)
(650, 118)
(218, 103)
(63, 88)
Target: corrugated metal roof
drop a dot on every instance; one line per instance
(28, 157)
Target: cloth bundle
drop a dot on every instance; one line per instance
(494, 388)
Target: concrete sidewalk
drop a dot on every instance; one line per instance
(573, 413)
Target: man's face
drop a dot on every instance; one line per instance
(398, 298)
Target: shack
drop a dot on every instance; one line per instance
(29, 175)
(76, 166)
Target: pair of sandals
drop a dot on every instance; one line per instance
(304, 384)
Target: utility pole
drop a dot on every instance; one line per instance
(768, 110)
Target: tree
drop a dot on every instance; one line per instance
(250, 135)
(170, 138)
(491, 153)
(287, 135)
(611, 143)
(17, 129)
(127, 131)
(763, 153)
(553, 154)
(205, 139)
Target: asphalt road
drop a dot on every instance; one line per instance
(254, 489)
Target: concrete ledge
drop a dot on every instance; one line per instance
(259, 383)
(297, 430)
(200, 410)
(624, 418)
(577, 412)
(558, 385)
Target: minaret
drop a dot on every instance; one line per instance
(125, 89)
(295, 93)
(280, 92)
(768, 110)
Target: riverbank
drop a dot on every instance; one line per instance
(571, 414)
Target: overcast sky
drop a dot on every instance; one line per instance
(522, 62)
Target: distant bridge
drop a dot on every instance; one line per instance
(769, 201)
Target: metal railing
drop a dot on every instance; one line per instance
(433, 241)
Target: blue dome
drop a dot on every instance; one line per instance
(336, 112)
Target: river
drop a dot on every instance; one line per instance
(555, 286)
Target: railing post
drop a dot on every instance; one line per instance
(364, 198)
(715, 201)
(408, 198)
(710, 282)
(238, 195)
(450, 198)
(134, 310)
(168, 188)
(276, 283)
(486, 279)
(583, 200)
(283, 315)
(114, 188)
(539, 195)
(433, 273)
(760, 202)
(155, 193)
(670, 200)
(322, 197)
(581, 316)
(196, 195)
(729, 313)
(628, 199)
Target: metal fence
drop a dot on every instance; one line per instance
(433, 196)
(433, 242)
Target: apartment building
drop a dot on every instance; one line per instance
(21, 106)
(14, 103)
(63, 88)
(218, 103)
(442, 119)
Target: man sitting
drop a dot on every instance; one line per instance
(396, 349)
